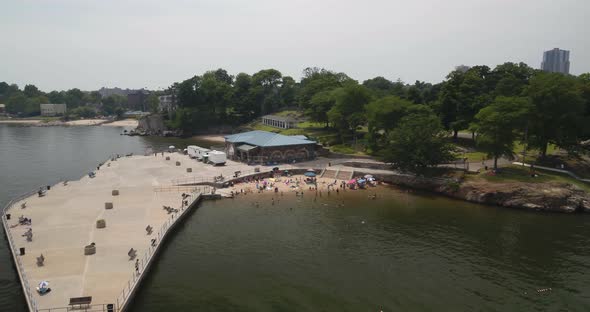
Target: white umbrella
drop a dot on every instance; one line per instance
(368, 176)
(171, 147)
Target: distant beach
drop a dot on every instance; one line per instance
(219, 138)
(82, 122)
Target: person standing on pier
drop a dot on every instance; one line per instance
(137, 266)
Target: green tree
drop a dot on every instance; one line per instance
(383, 115)
(82, 112)
(348, 112)
(317, 80)
(74, 98)
(31, 91)
(500, 124)
(153, 102)
(558, 116)
(463, 94)
(511, 79)
(16, 103)
(418, 143)
(243, 104)
(288, 91)
(56, 97)
(111, 103)
(584, 86)
(320, 104)
(266, 86)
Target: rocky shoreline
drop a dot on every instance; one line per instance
(547, 197)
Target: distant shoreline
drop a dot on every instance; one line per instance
(82, 122)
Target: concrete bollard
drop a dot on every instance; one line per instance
(108, 205)
(90, 249)
(167, 158)
(189, 169)
(115, 192)
(101, 224)
(178, 163)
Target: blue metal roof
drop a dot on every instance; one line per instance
(266, 139)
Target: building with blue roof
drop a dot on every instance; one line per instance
(267, 147)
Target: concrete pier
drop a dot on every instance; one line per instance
(112, 211)
(64, 221)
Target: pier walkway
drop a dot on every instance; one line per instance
(64, 221)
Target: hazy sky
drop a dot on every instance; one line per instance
(62, 44)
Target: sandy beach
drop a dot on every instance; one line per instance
(220, 138)
(122, 123)
(132, 123)
(284, 185)
(20, 121)
(85, 122)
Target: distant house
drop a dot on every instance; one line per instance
(52, 109)
(2, 109)
(278, 121)
(138, 100)
(167, 103)
(267, 147)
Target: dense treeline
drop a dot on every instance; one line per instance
(25, 102)
(408, 124)
(405, 123)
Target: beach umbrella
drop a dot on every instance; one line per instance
(368, 176)
(361, 181)
(309, 174)
(353, 181)
(171, 147)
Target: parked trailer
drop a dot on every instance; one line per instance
(197, 151)
(202, 152)
(191, 150)
(217, 158)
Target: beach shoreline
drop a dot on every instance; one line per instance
(217, 138)
(75, 123)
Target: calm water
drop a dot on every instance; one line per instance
(402, 252)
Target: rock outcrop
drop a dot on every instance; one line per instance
(554, 197)
(549, 196)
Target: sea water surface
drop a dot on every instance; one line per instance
(404, 251)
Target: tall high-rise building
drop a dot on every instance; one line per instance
(556, 61)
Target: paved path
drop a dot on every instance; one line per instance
(571, 174)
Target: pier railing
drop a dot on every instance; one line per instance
(101, 307)
(32, 304)
(195, 180)
(146, 259)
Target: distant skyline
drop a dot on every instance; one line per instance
(64, 44)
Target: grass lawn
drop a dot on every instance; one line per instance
(522, 174)
(318, 132)
(473, 156)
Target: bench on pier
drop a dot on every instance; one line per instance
(132, 253)
(80, 301)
